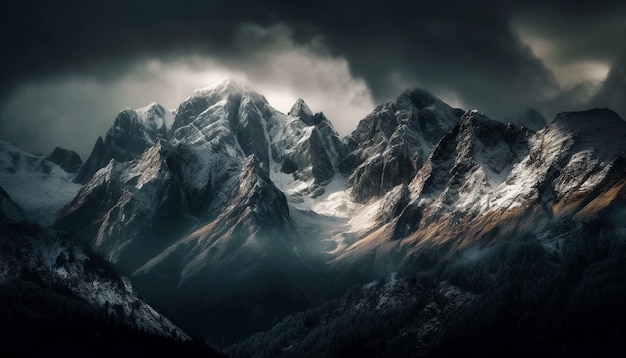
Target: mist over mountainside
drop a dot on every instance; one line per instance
(228, 216)
(514, 298)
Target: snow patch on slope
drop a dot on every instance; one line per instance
(334, 198)
(581, 144)
(40, 187)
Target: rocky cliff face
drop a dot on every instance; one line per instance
(486, 181)
(249, 253)
(130, 211)
(390, 145)
(133, 132)
(68, 160)
(199, 202)
(469, 162)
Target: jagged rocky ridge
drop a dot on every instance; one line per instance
(232, 196)
(133, 132)
(249, 252)
(391, 143)
(192, 201)
(129, 211)
(486, 181)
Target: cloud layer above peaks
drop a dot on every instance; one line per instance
(81, 62)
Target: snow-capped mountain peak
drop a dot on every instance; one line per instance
(302, 111)
(156, 116)
(132, 133)
(226, 85)
(475, 157)
(390, 145)
(235, 186)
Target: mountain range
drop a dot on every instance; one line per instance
(227, 216)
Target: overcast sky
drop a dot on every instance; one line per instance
(68, 67)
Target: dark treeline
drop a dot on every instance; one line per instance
(533, 302)
(569, 300)
(337, 329)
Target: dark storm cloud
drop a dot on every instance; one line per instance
(612, 94)
(579, 32)
(440, 45)
(581, 29)
(419, 40)
(39, 115)
(480, 53)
